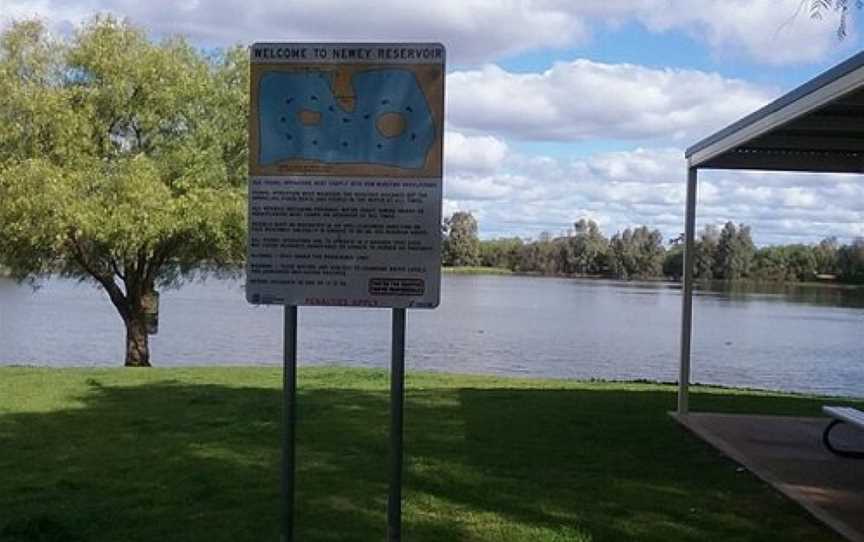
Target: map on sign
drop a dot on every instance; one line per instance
(374, 116)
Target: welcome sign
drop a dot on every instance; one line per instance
(345, 174)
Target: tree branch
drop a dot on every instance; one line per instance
(116, 268)
(161, 255)
(120, 301)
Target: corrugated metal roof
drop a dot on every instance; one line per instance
(819, 126)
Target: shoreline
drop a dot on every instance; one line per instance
(502, 271)
(449, 376)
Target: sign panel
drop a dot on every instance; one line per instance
(345, 174)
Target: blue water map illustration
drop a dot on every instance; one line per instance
(387, 120)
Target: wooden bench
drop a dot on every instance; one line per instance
(849, 415)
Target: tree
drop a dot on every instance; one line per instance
(584, 252)
(502, 253)
(636, 253)
(826, 256)
(801, 263)
(461, 245)
(850, 260)
(122, 162)
(705, 253)
(673, 262)
(540, 256)
(770, 264)
(735, 251)
(785, 263)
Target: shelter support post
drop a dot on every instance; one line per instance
(397, 398)
(687, 293)
(289, 419)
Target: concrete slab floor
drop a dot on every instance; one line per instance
(787, 452)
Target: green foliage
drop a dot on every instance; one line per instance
(734, 253)
(705, 249)
(193, 455)
(500, 252)
(121, 160)
(850, 261)
(541, 256)
(801, 263)
(461, 245)
(825, 254)
(639, 253)
(771, 264)
(793, 263)
(636, 253)
(673, 262)
(581, 252)
(585, 251)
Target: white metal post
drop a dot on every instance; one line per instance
(687, 293)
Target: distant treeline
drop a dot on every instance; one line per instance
(726, 253)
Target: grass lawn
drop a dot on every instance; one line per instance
(193, 455)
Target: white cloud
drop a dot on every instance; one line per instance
(515, 193)
(647, 186)
(474, 30)
(479, 187)
(584, 99)
(770, 31)
(475, 154)
(798, 197)
(644, 165)
(775, 32)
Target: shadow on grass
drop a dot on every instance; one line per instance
(178, 461)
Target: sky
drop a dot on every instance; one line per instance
(565, 109)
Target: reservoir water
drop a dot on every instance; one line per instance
(794, 338)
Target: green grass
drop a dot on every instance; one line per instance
(193, 455)
(477, 270)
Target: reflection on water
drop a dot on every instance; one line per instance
(800, 338)
(829, 295)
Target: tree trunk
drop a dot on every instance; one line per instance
(137, 342)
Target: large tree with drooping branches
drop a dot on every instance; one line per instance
(122, 161)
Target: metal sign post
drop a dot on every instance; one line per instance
(346, 146)
(289, 419)
(397, 399)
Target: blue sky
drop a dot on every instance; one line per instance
(633, 43)
(560, 109)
